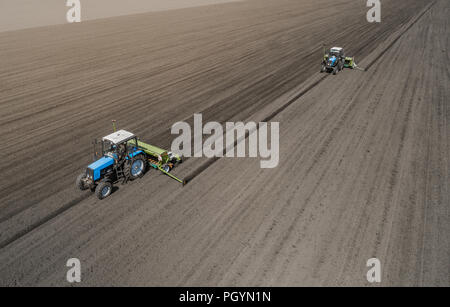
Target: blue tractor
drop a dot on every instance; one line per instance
(124, 157)
(333, 61)
(121, 159)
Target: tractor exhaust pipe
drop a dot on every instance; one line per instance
(94, 143)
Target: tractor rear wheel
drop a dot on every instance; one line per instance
(80, 182)
(103, 189)
(136, 167)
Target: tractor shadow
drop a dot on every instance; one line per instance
(115, 188)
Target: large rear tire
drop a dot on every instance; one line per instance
(103, 189)
(135, 168)
(80, 182)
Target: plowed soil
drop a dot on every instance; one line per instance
(364, 155)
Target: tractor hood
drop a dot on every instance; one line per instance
(332, 60)
(100, 164)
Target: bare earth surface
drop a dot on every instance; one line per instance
(364, 166)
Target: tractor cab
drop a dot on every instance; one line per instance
(119, 144)
(335, 55)
(337, 51)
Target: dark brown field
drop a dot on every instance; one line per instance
(364, 156)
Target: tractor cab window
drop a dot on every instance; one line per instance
(131, 145)
(122, 148)
(108, 147)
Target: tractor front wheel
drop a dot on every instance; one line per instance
(80, 182)
(103, 189)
